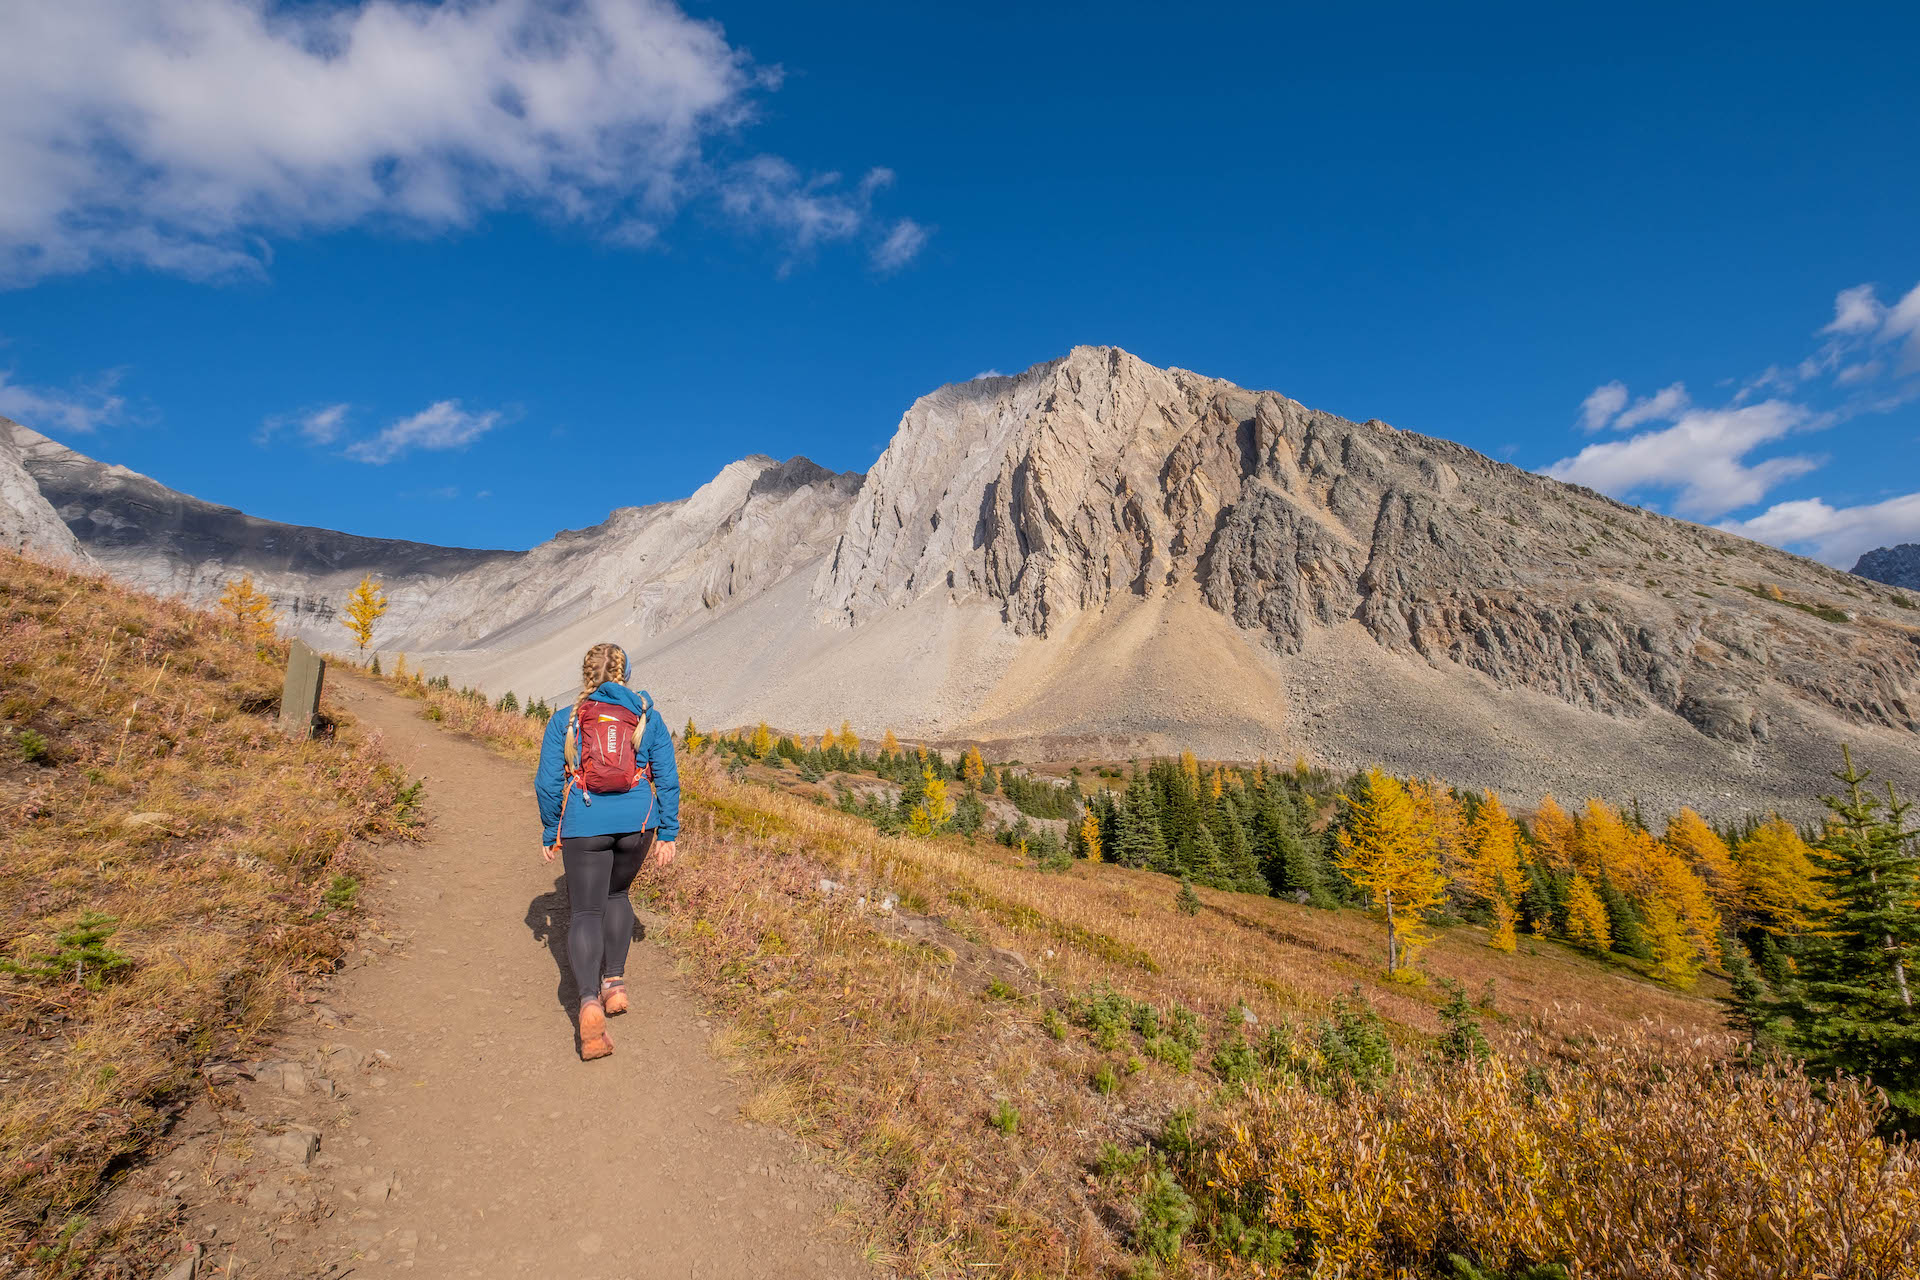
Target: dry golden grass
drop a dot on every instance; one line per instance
(142, 778)
(946, 1050)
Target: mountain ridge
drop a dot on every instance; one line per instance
(1097, 551)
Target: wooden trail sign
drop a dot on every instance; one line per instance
(300, 700)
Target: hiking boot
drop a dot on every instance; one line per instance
(594, 1042)
(613, 996)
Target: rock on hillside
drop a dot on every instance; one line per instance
(28, 521)
(1895, 566)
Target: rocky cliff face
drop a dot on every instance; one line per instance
(28, 521)
(1895, 566)
(1099, 478)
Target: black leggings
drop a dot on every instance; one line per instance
(600, 870)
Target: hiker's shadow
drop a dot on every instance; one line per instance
(547, 918)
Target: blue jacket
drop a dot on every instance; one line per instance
(623, 812)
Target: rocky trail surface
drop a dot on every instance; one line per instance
(429, 1114)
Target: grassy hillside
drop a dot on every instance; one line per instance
(172, 868)
(1047, 1074)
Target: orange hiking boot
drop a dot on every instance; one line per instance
(594, 1042)
(613, 996)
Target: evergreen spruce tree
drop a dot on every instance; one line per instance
(1140, 841)
(1237, 860)
(1852, 1007)
(1204, 863)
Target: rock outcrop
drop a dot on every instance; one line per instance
(28, 521)
(1895, 566)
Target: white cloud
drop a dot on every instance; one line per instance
(1601, 404)
(316, 426)
(1662, 406)
(1856, 310)
(1903, 326)
(1837, 535)
(1703, 456)
(441, 425)
(766, 193)
(901, 246)
(183, 135)
(83, 410)
(986, 373)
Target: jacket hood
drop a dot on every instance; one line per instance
(631, 699)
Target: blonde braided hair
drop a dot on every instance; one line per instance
(604, 662)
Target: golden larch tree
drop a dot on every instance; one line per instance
(934, 809)
(690, 738)
(849, 740)
(1785, 889)
(1676, 957)
(1190, 765)
(1384, 852)
(1554, 835)
(761, 744)
(1216, 784)
(889, 745)
(1606, 848)
(366, 605)
(828, 741)
(250, 609)
(1494, 874)
(1441, 818)
(1090, 835)
(1701, 848)
(1587, 924)
(973, 769)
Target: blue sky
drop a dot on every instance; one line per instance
(415, 273)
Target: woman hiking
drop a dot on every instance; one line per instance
(609, 794)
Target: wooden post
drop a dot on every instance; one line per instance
(300, 700)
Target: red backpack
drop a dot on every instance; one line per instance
(600, 747)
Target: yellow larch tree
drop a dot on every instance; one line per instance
(1216, 784)
(973, 769)
(1384, 852)
(1701, 848)
(761, 744)
(849, 740)
(1443, 822)
(250, 609)
(1190, 766)
(1587, 916)
(889, 745)
(1493, 867)
(1676, 957)
(690, 738)
(828, 741)
(934, 809)
(1606, 847)
(1554, 835)
(1676, 888)
(366, 605)
(1090, 835)
(1785, 889)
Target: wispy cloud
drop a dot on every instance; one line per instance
(1707, 458)
(1601, 404)
(1702, 457)
(185, 135)
(1837, 535)
(320, 426)
(986, 373)
(83, 410)
(441, 425)
(902, 245)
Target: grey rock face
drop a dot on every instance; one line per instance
(1896, 566)
(28, 521)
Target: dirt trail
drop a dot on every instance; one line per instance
(459, 1135)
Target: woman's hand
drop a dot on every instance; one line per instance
(548, 852)
(662, 852)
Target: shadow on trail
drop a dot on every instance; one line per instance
(548, 917)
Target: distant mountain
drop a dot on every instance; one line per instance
(1896, 566)
(1098, 556)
